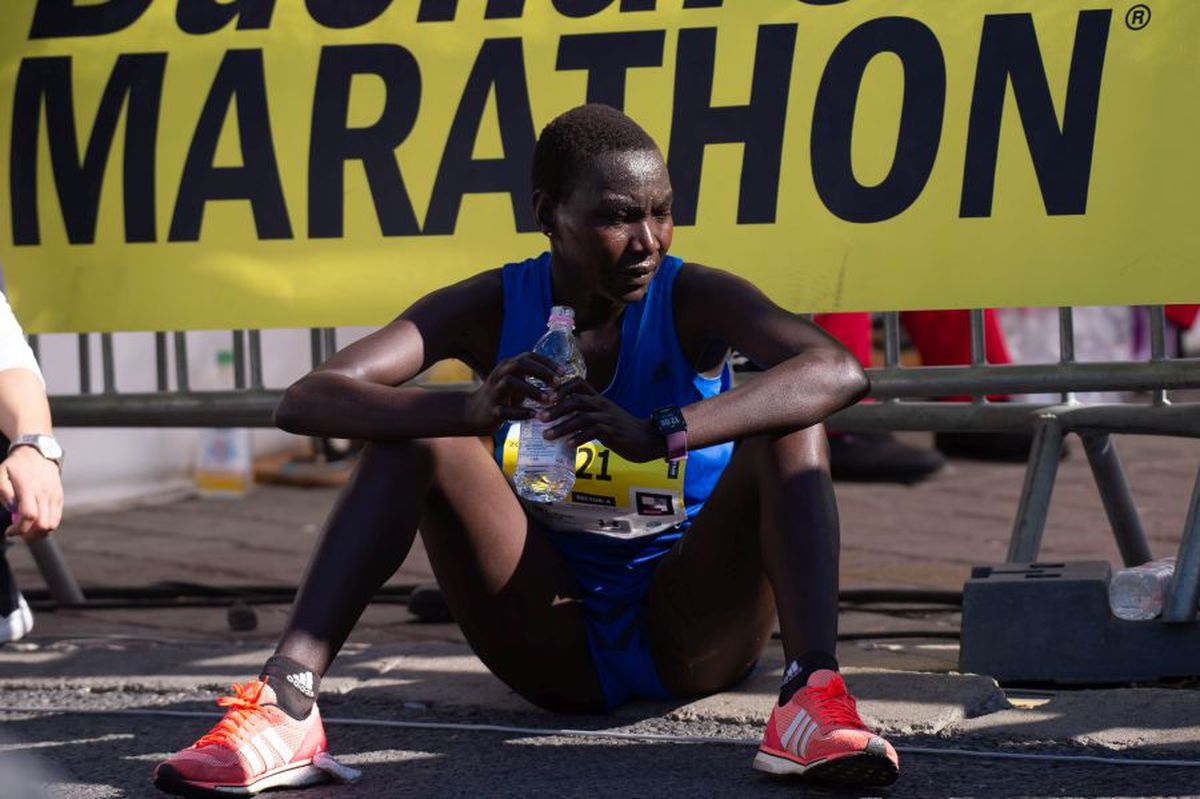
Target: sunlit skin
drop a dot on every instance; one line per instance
(610, 234)
(765, 544)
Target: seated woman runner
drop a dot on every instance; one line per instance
(575, 615)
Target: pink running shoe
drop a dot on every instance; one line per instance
(818, 734)
(254, 747)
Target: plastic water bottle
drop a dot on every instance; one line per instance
(546, 469)
(224, 465)
(1137, 593)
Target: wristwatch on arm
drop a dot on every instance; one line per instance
(670, 424)
(47, 446)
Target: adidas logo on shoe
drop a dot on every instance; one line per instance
(303, 682)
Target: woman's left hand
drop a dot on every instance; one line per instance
(586, 415)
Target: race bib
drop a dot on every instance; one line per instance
(611, 496)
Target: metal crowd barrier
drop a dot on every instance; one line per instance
(902, 400)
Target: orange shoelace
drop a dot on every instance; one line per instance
(837, 706)
(243, 706)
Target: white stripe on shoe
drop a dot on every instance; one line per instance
(800, 733)
(803, 746)
(250, 752)
(800, 718)
(269, 756)
(282, 749)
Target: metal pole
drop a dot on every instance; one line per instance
(1035, 494)
(1184, 591)
(1066, 342)
(256, 376)
(318, 356)
(330, 335)
(1035, 378)
(85, 364)
(1158, 348)
(1117, 498)
(181, 361)
(978, 339)
(53, 566)
(891, 340)
(160, 361)
(239, 359)
(1177, 419)
(317, 346)
(35, 345)
(978, 346)
(107, 369)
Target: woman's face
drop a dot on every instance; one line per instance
(614, 228)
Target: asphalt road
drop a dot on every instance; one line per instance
(101, 756)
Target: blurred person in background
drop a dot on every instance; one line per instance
(31, 492)
(1182, 318)
(941, 338)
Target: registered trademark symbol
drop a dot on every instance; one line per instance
(1137, 17)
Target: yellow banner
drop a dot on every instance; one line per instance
(278, 163)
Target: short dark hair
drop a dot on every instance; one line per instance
(577, 135)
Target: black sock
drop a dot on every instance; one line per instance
(295, 685)
(798, 672)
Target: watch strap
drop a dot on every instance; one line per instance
(676, 446)
(46, 445)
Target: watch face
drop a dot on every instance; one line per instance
(50, 448)
(669, 420)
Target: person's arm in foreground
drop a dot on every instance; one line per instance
(30, 484)
(808, 376)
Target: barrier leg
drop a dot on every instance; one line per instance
(1117, 498)
(1184, 592)
(1035, 494)
(56, 572)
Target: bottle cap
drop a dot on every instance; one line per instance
(562, 314)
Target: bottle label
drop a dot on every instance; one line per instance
(611, 496)
(539, 453)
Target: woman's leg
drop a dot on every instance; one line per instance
(770, 528)
(508, 588)
(765, 544)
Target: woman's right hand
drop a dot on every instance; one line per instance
(500, 397)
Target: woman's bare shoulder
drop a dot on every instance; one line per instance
(468, 313)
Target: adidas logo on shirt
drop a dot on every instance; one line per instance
(303, 682)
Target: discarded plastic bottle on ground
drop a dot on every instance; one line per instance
(1138, 593)
(546, 469)
(224, 465)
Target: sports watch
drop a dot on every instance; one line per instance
(48, 446)
(669, 423)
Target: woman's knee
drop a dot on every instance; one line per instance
(411, 451)
(804, 449)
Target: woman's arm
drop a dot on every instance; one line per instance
(808, 376)
(358, 393)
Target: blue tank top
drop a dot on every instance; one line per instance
(651, 372)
